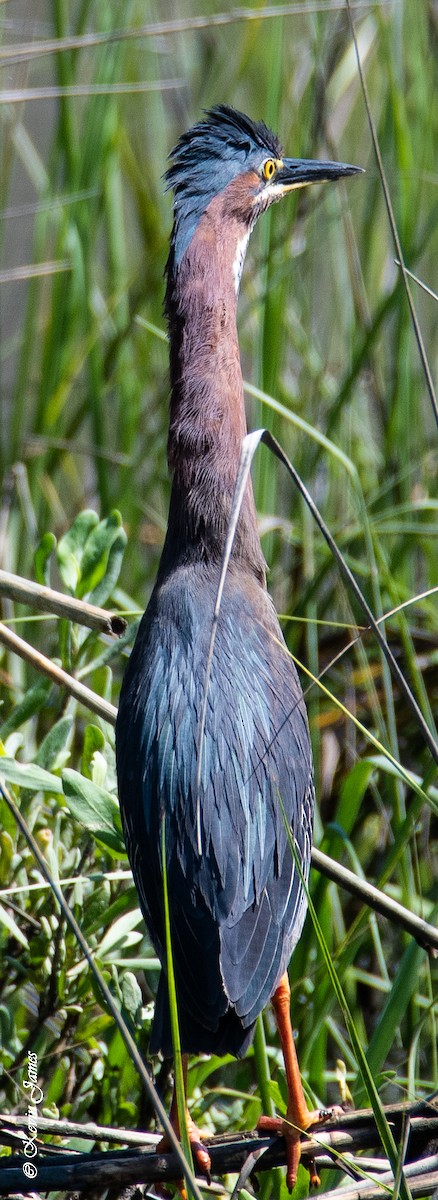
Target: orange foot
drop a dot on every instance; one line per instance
(201, 1157)
(288, 1128)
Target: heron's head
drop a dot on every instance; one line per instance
(229, 153)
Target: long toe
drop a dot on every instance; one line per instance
(201, 1157)
(293, 1155)
(289, 1128)
(280, 1127)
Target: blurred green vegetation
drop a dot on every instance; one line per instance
(326, 337)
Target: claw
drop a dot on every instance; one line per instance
(315, 1181)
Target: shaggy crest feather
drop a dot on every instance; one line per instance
(205, 160)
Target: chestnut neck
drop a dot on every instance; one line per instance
(207, 411)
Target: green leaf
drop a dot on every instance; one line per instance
(105, 588)
(352, 792)
(53, 750)
(383, 764)
(6, 1025)
(6, 856)
(96, 555)
(394, 1010)
(70, 549)
(101, 682)
(96, 809)
(41, 559)
(277, 1097)
(29, 776)
(66, 644)
(93, 740)
(8, 921)
(34, 700)
(131, 993)
(100, 769)
(7, 823)
(101, 913)
(118, 932)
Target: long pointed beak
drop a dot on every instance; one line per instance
(297, 172)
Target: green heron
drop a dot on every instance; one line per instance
(237, 900)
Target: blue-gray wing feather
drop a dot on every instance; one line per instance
(238, 909)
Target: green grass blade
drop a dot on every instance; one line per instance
(365, 1072)
(173, 1009)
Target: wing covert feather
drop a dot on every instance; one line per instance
(237, 911)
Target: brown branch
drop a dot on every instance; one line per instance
(353, 1132)
(71, 1129)
(424, 933)
(422, 1177)
(45, 599)
(90, 699)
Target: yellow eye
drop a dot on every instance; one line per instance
(268, 169)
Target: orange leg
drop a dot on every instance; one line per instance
(201, 1157)
(298, 1117)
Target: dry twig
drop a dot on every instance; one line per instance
(47, 600)
(352, 1133)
